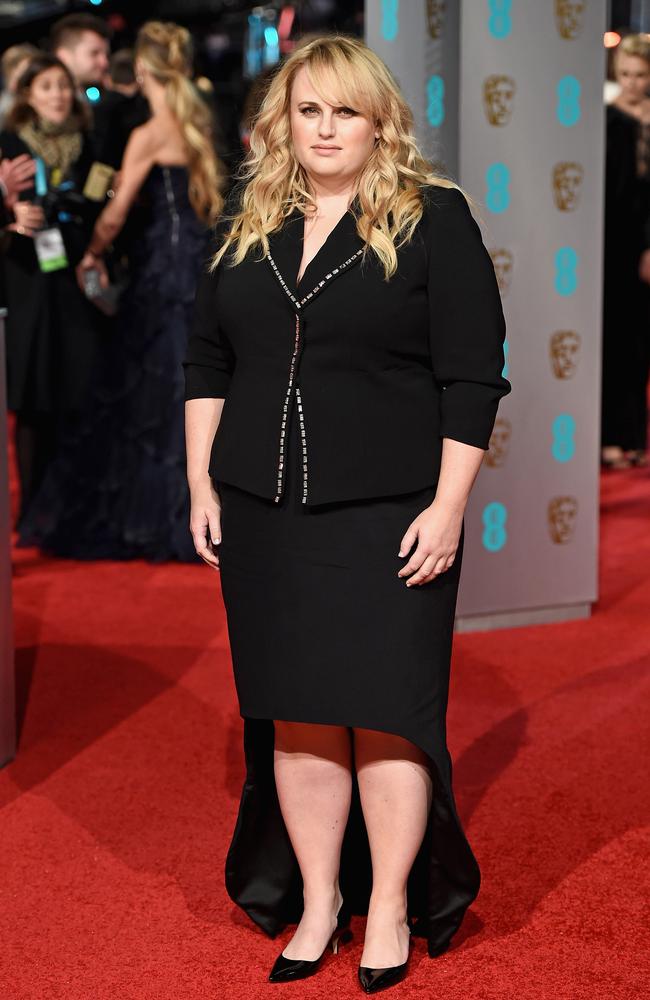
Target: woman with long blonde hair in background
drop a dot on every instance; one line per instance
(118, 489)
(343, 378)
(626, 298)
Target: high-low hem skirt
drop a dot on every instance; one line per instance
(322, 630)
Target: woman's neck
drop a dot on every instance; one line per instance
(332, 199)
(157, 99)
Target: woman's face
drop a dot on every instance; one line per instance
(331, 142)
(633, 74)
(51, 96)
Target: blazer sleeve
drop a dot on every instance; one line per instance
(466, 321)
(209, 359)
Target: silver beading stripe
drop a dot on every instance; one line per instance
(298, 304)
(303, 442)
(285, 411)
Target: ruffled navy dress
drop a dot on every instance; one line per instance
(118, 487)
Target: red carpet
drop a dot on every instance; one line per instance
(115, 817)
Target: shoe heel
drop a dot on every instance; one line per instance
(341, 937)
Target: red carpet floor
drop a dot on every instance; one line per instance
(116, 815)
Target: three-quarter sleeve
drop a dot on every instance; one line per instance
(466, 322)
(209, 359)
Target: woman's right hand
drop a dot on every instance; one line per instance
(205, 521)
(28, 218)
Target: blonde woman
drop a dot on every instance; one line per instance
(626, 300)
(342, 381)
(119, 489)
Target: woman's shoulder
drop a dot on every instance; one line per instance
(436, 197)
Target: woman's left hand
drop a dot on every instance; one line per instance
(91, 262)
(437, 530)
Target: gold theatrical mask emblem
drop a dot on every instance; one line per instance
(562, 514)
(564, 348)
(502, 261)
(497, 451)
(498, 98)
(568, 17)
(435, 17)
(567, 181)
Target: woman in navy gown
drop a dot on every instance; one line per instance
(117, 489)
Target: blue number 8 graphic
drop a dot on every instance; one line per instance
(564, 447)
(566, 276)
(506, 352)
(497, 179)
(500, 22)
(435, 101)
(568, 100)
(389, 23)
(494, 520)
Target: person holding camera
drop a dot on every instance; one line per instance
(52, 329)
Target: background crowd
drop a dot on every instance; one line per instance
(106, 212)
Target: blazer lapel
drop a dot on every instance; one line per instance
(341, 250)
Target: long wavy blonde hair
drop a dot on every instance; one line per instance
(345, 72)
(165, 49)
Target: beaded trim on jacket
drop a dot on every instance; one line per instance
(298, 304)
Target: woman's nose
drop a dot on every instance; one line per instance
(327, 125)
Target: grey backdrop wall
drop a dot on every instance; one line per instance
(523, 82)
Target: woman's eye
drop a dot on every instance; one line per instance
(346, 112)
(306, 111)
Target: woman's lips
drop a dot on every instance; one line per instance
(326, 150)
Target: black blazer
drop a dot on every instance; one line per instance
(382, 371)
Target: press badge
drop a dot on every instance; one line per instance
(50, 249)
(98, 181)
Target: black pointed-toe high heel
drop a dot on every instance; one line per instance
(374, 980)
(285, 970)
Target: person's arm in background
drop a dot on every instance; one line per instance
(16, 176)
(138, 160)
(644, 259)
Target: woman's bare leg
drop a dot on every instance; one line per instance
(395, 789)
(314, 782)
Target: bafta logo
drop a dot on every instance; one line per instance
(562, 513)
(497, 451)
(568, 17)
(502, 262)
(498, 98)
(567, 181)
(564, 348)
(435, 17)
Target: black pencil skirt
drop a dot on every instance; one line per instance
(322, 630)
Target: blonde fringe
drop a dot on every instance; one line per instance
(388, 187)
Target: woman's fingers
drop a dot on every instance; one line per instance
(214, 524)
(424, 566)
(200, 528)
(408, 540)
(28, 216)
